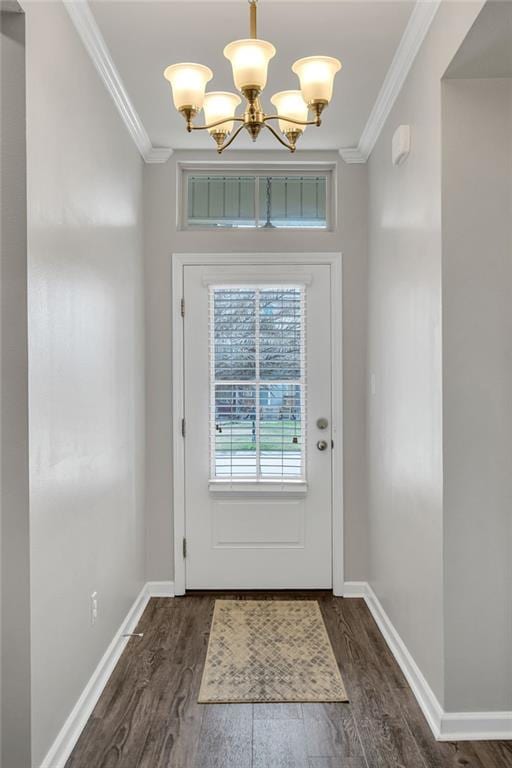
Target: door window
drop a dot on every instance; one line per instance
(257, 383)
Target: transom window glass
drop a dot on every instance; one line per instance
(256, 200)
(257, 383)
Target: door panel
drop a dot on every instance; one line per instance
(244, 523)
(257, 378)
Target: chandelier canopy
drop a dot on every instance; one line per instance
(249, 60)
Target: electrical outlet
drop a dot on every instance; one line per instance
(94, 608)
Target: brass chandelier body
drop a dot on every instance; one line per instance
(315, 97)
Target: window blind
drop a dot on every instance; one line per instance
(298, 201)
(257, 382)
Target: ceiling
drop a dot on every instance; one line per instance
(487, 49)
(144, 36)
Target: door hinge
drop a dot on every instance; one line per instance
(332, 443)
(183, 427)
(184, 547)
(182, 307)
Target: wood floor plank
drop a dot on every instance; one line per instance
(277, 711)
(279, 744)
(336, 762)
(435, 754)
(376, 645)
(330, 731)
(148, 715)
(497, 754)
(150, 696)
(225, 740)
(388, 744)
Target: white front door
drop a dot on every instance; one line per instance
(257, 378)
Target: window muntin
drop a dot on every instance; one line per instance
(215, 200)
(257, 383)
(269, 201)
(293, 202)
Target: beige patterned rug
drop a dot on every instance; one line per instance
(269, 650)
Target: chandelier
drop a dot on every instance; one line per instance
(249, 60)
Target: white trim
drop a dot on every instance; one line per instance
(283, 488)
(69, 734)
(446, 726)
(158, 154)
(423, 693)
(354, 589)
(338, 529)
(261, 167)
(160, 588)
(232, 277)
(90, 34)
(412, 39)
(178, 411)
(179, 261)
(352, 155)
(187, 168)
(476, 726)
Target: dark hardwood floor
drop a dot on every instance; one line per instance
(148, 715)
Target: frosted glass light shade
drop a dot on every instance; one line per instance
(249, 59)
(188, 82)
(219, 104)
(290, 104)
(316, 75)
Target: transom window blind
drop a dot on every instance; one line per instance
(257, 201)
(257, 383)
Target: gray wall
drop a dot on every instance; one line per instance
(477, 387)
(14, 495)
(162, 239)
(405, 472)
(86, 363)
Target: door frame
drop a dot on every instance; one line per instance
(179, 262)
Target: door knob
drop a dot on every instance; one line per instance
(322, 445)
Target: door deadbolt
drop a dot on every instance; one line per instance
(322, 423)
(322, 445)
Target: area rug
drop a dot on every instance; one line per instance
(269, 651)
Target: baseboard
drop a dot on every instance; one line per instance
(445, 726)
(476, 726)
(422, 691)
(68, 735)
(354, 589)
(160, 588)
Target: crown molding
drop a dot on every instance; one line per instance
(90, 34)
(352, 155)
(158, 154)
(412, 39)
(414, 34)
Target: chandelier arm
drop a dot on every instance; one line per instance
(217, 122)
(291, 120)
(291, 147)
(230, 140)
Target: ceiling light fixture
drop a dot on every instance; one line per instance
(249, 60)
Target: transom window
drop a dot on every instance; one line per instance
(254, 200)
(257, 383)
